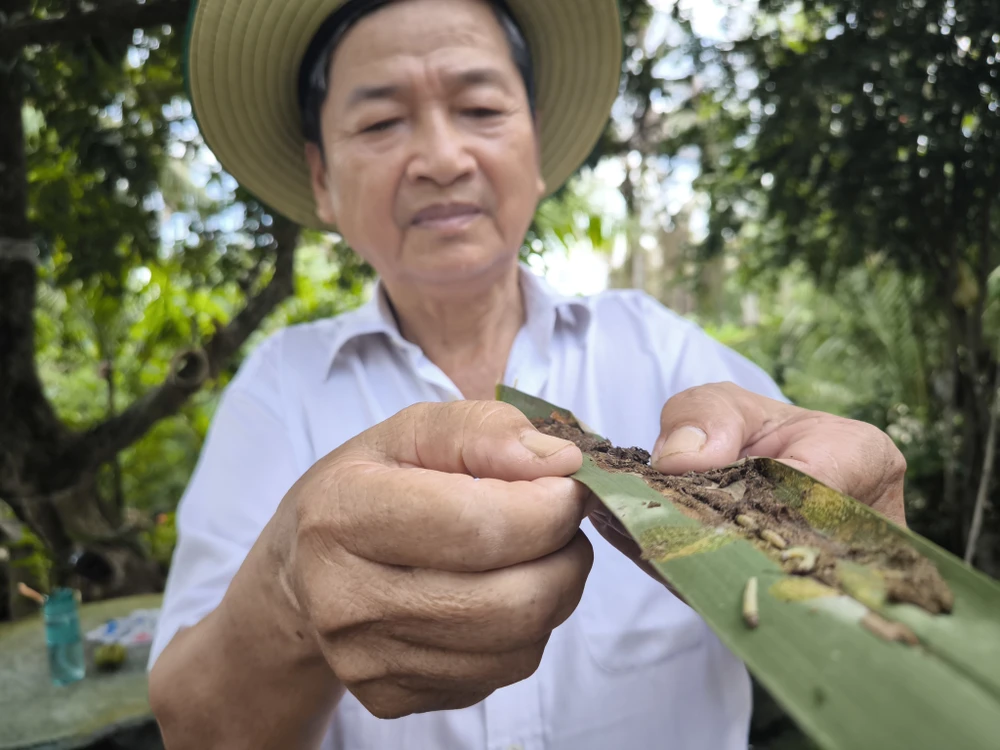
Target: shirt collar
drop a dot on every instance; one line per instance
(544, 309)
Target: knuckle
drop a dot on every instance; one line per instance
(496, 410)
(504, 618)
(317, 528)
(572, 591)
(324, 493)
(697, 396)
(681, 398)
(410, 421)
(506, 668)
(386, 700)
(483, 535)
(537, 610)
(896, 465)
(389, 699)
(876, 467)
(416, 412)
(485, 417)
(530, 612)
(524, 663)
(468, 608)
(470, 414)
(340, 596)
(534, 622)
(456, 700)
(357, 666)
(883, 449)
(895, 460)
(723, 388)
(477, 412)
(312, 519)
(353, 611)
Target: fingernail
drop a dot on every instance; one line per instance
(543, 445)
(682, 440)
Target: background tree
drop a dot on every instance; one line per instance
(132, 272)
(848, 135)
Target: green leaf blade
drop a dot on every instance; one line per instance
(848, 688)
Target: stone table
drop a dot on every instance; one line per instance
(38, 715)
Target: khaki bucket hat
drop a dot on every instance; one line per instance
(242, 66)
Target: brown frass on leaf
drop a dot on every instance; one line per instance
(716, 498)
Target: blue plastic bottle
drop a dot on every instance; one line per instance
(62, 637)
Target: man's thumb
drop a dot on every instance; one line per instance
(704, 428)
(687, 448)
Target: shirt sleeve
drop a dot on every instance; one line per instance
(698, 359)
(706, 360)
(246, 466)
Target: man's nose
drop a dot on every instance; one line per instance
(441, 152)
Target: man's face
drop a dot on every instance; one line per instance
(431, 169)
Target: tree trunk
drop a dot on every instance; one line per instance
(47, 472)
(113, 511)
(27, 421)
(986, 476)
(43, 518)
(976, 535)
(133, 571)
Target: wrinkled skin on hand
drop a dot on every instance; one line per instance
(432, 556)
(714, 425)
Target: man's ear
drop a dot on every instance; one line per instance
(319, 180)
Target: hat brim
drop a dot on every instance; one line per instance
(242, 66)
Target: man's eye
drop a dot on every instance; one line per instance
(380, 126)
(482, 112)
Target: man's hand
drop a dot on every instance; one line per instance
(710, 426)
(431, 557)
(714, 425)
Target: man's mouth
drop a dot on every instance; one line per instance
(447, 216)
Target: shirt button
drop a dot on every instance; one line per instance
(515, 747)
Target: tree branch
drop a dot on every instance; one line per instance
(985, 264)
(986, 477)
(110, 17)
(190, 370)
(27, 419)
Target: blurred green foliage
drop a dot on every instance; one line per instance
(162, 538)
(850, 160)
(30, 555)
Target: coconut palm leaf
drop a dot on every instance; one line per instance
(879, 640)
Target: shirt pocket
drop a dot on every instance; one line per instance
(628, 620)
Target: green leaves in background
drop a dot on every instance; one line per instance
(859, 142)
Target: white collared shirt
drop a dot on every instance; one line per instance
(632, 666)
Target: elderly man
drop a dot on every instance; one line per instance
(373, 553)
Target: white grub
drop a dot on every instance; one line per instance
(773, 538)
(751, 612)
(802, 559)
